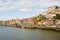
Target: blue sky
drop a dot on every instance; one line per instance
(10, 9)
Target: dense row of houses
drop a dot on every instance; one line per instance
(52, 11)
(31, 22)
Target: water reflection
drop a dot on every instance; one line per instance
(9, 33)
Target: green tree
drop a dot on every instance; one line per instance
(57, 16)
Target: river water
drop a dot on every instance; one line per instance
(9, 33)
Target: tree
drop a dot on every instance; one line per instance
(40, 18)
(57, 16)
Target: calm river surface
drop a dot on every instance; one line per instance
(9, 33)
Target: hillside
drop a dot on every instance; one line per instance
(48, 19)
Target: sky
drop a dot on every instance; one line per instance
(11, 9)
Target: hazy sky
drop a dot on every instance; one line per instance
(24, 8)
